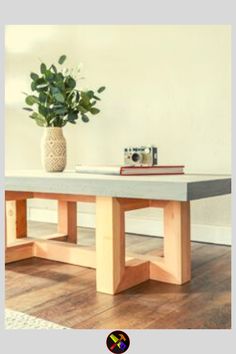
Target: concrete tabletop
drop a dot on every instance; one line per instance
(164, 187)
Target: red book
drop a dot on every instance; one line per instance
(131, 170)
(151, 170)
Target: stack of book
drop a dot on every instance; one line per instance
(131, 170)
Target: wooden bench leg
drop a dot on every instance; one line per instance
(110, 244)
(112, 274)
(67, 220)
(175, 266)
(16, 220)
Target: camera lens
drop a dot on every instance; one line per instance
(136, 157)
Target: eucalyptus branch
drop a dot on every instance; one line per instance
(55, 100)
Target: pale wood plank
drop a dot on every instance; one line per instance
(65, 197)
(177, 250)
(157, 203)
(19, 251)
(56, 237)
(176, 264)
(67, 220)
(136, 272)
(12, 195)
(145, 257)
(10, 210)
(110, 244)
(159, 271)
(21, 242)
(21, 218)
(16, 222)
(83, 256)
(127, 204)
(113, 275)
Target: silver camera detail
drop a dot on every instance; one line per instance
(140, 156)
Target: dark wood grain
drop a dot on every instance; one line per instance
(66, 294)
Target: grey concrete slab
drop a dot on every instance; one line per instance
(166, 187)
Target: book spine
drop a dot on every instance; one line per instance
(152, 174)
(122, 171)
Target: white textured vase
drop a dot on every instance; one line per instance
(53, 149)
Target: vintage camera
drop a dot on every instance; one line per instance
(140, 156)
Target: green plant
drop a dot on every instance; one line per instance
(56, 100)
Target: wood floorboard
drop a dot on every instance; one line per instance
(66, 294)
(169, 306)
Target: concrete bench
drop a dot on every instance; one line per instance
(113, 195)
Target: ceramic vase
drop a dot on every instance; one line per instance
(53, 149)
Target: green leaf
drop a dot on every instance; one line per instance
(34, 115)
(85, 104)
(59, 77)
(42, 97)
(49, 75)
(62, 59)
(54, 68)
(42, 86)
(72, 116)
(71, 98)
(33, 86)
(28, 109)
(90, 94)
(63, 123)
(59, 97)
(43, 110)
(85, 118)
(30, 100)
(40, 81)
(61, 85)
(101, 89)
(96, 98)
(77, 96)
(52, 121)
(55, 90)
(94, 110)
(41, 123)
(85, 99)
(70, 82)
(39, 119)
(82, 109)
(61, 111)
(34, 76)
(43, 68)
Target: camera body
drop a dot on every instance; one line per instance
(140, 156)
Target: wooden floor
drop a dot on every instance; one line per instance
(66, 294)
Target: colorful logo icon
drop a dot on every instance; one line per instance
(118, 342)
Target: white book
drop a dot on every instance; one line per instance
(97, 169)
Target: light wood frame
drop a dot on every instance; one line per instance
(115, 271)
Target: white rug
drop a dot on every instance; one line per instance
(19, 320)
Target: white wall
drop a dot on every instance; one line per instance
(166, 85)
